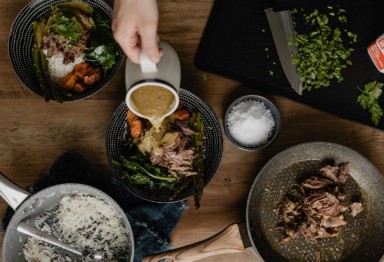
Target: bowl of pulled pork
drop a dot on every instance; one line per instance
(64, 50)
(171, 163)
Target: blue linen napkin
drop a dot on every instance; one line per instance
(151, 223)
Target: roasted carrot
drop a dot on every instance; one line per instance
(93, 76)
(136, 128)
(78, 88)
(135, 124)
(68, 81)
(81, 70)
(131, 117)
(181, 114)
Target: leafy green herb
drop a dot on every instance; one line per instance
(368, 99)
(67, 27)
(103, 55)
(140, 171)
(101, 34)
(102, 46)
(147, 169)
(322, 52)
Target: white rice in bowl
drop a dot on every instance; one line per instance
(57, 69)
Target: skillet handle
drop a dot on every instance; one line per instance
(227, 241)
(11, 193)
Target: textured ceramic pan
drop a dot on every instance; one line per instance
(362, 239)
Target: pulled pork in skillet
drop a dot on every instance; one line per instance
(315, 207)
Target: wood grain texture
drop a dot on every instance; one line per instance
(34, 133)
(226, 241)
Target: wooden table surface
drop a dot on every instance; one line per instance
(34, 133)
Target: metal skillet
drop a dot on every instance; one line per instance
(362, 239)
(28, 207)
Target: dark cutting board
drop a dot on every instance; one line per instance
(237, 44)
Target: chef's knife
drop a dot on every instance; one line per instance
(282, 29)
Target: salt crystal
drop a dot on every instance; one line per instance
(250, 123)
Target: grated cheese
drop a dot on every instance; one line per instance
(86, 223)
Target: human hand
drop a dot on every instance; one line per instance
(134, 27)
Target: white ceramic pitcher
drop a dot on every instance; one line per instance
(166, 73)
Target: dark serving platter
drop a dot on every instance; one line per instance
(213, 147)
(237, 36)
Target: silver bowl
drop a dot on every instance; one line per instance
(269, 106)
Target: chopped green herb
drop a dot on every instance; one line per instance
(368, 99)
(322, 53)
(342, 19)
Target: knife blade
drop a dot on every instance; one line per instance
(282, 29)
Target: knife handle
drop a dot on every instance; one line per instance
(227, 241)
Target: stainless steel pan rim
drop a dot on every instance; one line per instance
(44, 200)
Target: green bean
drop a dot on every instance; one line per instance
(83, 7)
(39, 61)
(196, 124)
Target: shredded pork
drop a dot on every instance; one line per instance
(315, 207)
(177, 158)
(53, 44)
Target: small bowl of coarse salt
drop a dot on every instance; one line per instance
(252, 122)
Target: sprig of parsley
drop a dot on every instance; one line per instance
(67, 27)
(368, 99)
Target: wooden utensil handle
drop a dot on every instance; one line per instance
(226, 241)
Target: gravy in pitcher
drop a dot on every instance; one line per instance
(153, 103)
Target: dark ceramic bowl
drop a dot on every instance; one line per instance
(20, 46)
(213, 148)
(269, 106)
